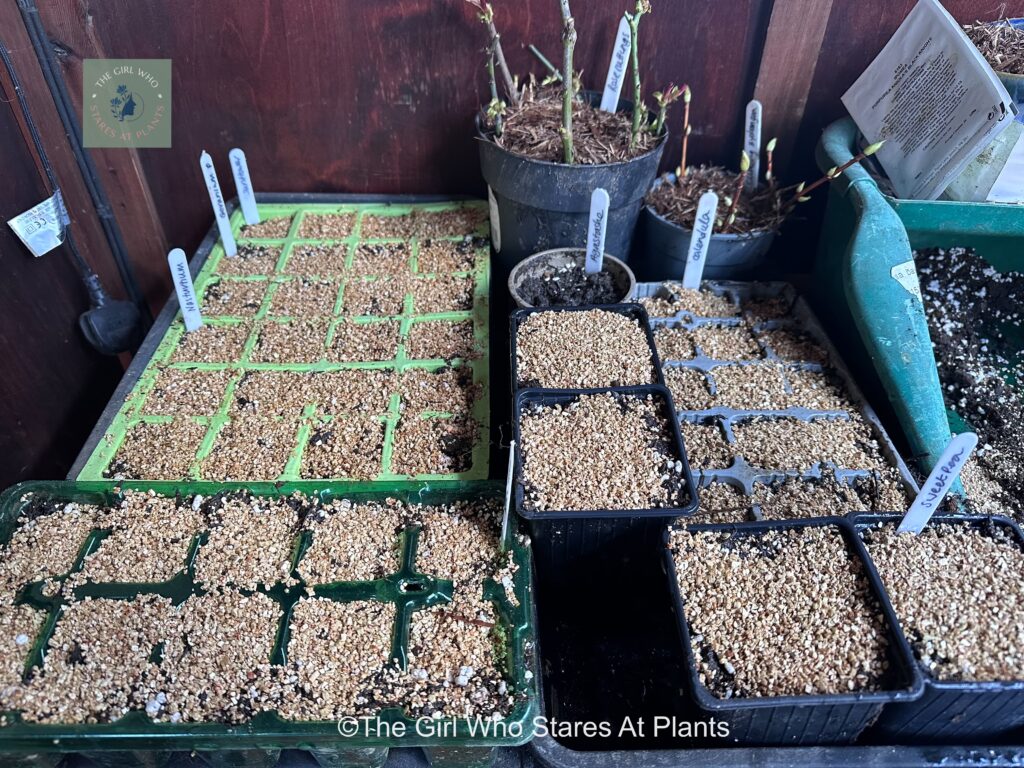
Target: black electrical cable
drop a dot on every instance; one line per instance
(62, 101)
(111, 327)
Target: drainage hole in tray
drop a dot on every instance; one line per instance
(413, 586)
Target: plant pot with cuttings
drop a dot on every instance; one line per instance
(750, 210)
(1002, 44)
(544, 149)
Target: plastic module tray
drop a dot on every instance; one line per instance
(799, 319)
(98, 460)
(135, 738)
(633, 311)
(799, 720)
(952, 711)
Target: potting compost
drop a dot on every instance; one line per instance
(977, 327)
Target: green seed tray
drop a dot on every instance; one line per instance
(100, 463)
(408, 589)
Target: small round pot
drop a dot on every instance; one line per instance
(537, 205)
(622, 275)
(662, 246)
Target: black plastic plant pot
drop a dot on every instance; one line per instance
(540, 205)
(566, 538)
(661, 247)
(544, 265)
(825, 719)
(633, 311)
(953, 712)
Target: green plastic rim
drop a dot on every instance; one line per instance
(132, 411)
(514, 634)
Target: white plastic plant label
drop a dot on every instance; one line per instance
(495, 220)
(508, 492)
(941, 479)
(597, 230)
(906, 275)
(700, 240)
(42, 227)
(617, 68)
(186, 291)
(243, 184)
(220, 210)
(752, 143)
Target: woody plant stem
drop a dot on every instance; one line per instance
(496, 106)
(568, 81)
(681, 170)
(633, 19)
(801, 194)
(730, 216)
(486, 13)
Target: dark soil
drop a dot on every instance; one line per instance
(977, 329)
(569, 286)
(532, 130)
(458, 447)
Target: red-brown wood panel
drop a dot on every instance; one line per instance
(340, 95)
(53, 385)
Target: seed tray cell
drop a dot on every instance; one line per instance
(394, 597)
(303, 304)
(233, 298)
(770, 311)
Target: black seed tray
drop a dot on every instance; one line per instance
(563, 536)
(800, 720)
(632, 311)
(953, 712)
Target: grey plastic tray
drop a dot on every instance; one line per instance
(742, 474)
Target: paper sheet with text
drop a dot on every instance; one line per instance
(933, 99)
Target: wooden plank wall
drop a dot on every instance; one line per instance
(343, 95)
(53, 386)
(350, 96)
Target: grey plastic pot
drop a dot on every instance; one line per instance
(662, 245)
(558, 258)
(537, 205)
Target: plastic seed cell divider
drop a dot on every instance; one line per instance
(132, 411)
(801, 320)
(408, 589)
